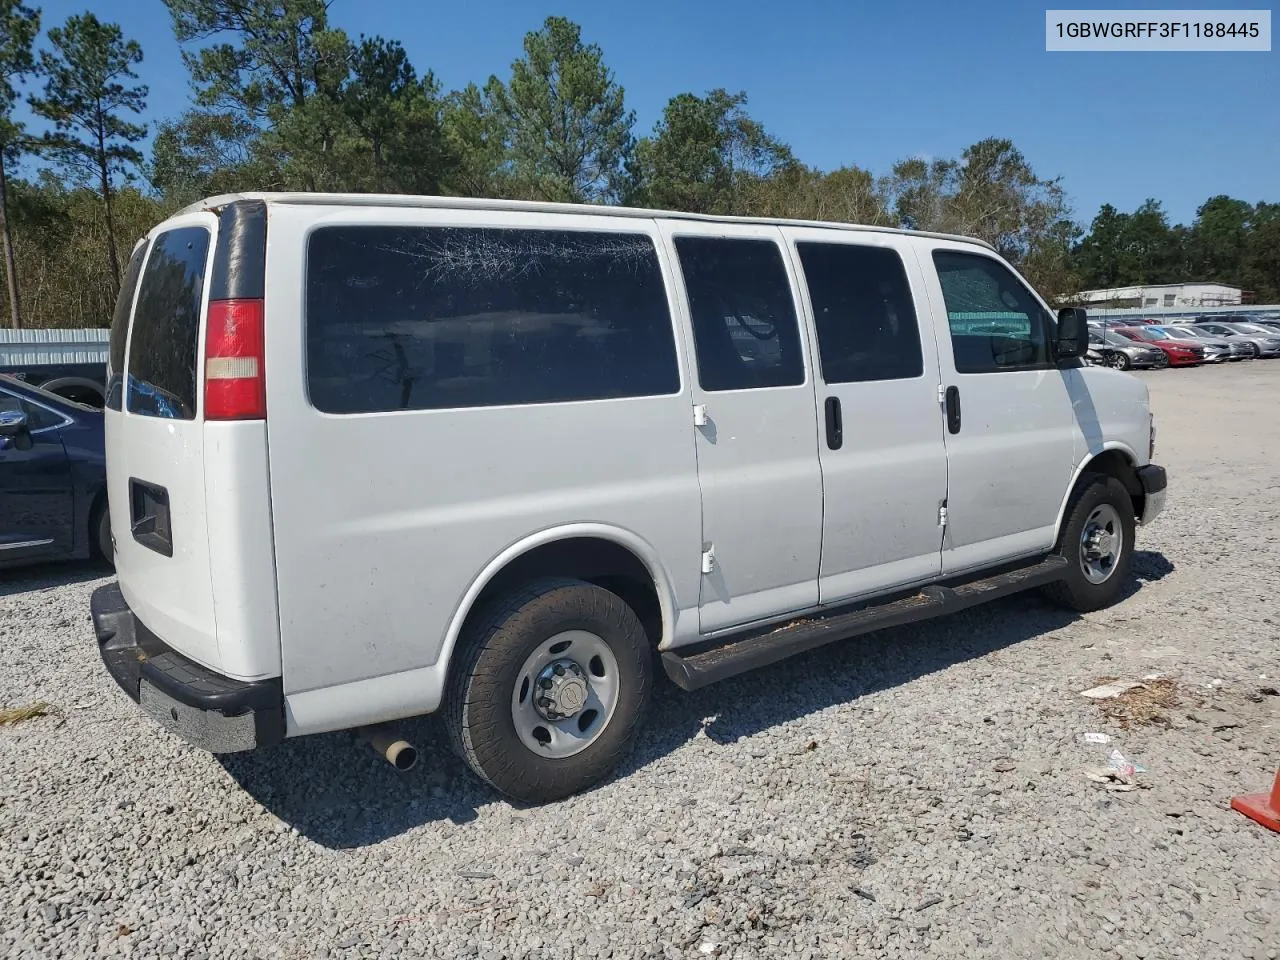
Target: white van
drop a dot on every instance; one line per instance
(371, 457)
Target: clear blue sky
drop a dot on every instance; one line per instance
(863, 83)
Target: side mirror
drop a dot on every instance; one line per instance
(13, 423)
(1073, 326)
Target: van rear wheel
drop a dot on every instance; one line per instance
(1097, 542)
(550, 691)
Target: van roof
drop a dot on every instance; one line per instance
(535, 206)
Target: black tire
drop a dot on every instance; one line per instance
(1121, 361)
(100, 532)
(478, 700)
(1076, 591)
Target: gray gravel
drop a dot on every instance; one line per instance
(920, 792)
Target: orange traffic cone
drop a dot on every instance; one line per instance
(1258, 806)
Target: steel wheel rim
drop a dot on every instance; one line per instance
(546, 731)
(1101, 543)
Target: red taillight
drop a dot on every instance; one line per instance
(235, 386)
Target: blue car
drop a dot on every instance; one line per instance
(53, 481)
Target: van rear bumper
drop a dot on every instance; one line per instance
(213, 712)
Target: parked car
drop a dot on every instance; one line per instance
(1268, 343)
(1235, 348)
(1271, 323)
(515, 448)
(53, 485)
(1215, 350)
(1181, 352)
(1112, 350)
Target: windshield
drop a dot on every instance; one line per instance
(1253, 328)
(1153, 333)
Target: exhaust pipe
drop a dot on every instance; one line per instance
(401, 754)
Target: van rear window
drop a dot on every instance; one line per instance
(120, 328)
(423, 318)
(161, 379)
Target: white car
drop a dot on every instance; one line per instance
(376, 457)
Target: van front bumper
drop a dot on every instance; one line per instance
(1153, 481)
(213, 712)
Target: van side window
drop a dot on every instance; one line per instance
(863, 313)
(161, 380)
(425, 318)
(995, 322)
(744, 319)
(120, 328)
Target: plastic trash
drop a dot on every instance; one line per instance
(1123, 766)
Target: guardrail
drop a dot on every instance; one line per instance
(1266, 311)
(21, 348)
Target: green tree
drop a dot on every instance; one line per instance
(60, 235)
(992, 193)
(703, 153)
(256, 66)
(271, 66)
(204, 153)
(1149, 251)
(568, 130)
(1261, 260)
(85, 97)
(846, 195)
(18, 28)
(397, 121)
(1218, 238)
(1097, 257)
(476, 134)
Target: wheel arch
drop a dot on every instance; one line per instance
(79, 384)
(1115, 459)
(609, 556)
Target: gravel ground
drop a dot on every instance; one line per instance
(919, 792)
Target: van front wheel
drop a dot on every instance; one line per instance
(1097, 543)
(550, 691)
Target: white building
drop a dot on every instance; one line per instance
(1163, 295)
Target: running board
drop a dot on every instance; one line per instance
(760, 648)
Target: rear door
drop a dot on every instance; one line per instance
(155, 443)
(884, 463)
(36, 504)
(756, 429)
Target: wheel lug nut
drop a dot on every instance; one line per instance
(545, 683)
(559, 669)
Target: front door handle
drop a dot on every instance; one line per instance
(953, 409)
(835, 424)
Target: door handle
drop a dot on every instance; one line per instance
(835, 424)
(953, 409)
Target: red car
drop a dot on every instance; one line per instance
(1181, 353)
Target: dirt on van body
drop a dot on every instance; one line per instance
(920, 792)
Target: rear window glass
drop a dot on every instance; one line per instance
(161, 379)
(423, 318)
(120, 328)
